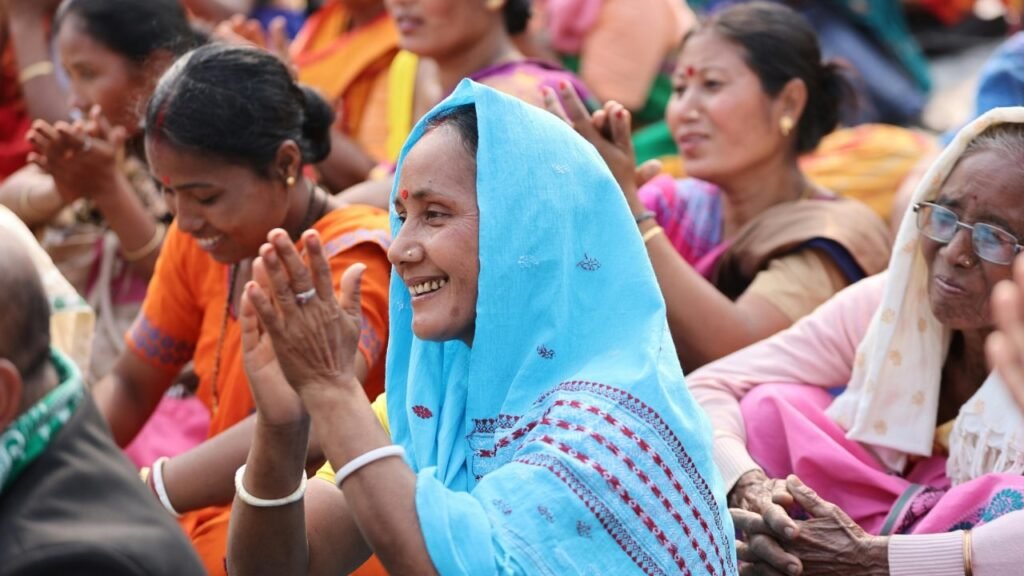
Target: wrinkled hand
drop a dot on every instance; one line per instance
(277, 404)
(315, 342)
(608, 130)
(758, 509)
(830, 542)
(1005, 346)
(247, 31)
(84, 158)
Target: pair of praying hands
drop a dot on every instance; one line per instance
(83, 157)
(298, 339)
(828, 542)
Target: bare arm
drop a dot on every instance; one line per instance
(27, 23)
(204, 476)
(128, 396)
(32, 195)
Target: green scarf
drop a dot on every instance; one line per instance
(28, 436)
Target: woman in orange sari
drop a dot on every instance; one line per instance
(345, 50)
(228, 134)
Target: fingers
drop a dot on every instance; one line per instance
(301, 281)
(322, 280)
(553, 105)
(647, 172)
(280, 285)
(249, 320)
(269, 317)
(779, 522)
(1005, 347)
(761, 546)
(757, 569)
(621, 125)
(808, 499)
(279, 37)
(351, 289)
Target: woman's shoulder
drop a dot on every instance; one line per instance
(524, 78)
(352, 225)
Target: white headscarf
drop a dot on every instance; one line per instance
(892, 401)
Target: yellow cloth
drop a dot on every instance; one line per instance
(380, 409)
(402, 85)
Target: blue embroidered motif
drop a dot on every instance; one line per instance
(159, 347)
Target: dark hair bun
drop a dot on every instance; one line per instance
(317, 119)
(517, 15)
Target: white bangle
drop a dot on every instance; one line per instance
(158, 484)
(255, 502)
(370, 457)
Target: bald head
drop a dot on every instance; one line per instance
(24, 308)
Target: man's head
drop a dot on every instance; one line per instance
(24, 330)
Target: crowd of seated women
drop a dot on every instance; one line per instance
(411, 286)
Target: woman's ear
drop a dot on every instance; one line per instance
(12, 391)
(792, 99)
(288, 162)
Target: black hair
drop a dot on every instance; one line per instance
(134, 29)
(780, 45)
(25, 309)
(462, 119)
(517, 15)
(240, 104)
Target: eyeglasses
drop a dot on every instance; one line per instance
(990, 243)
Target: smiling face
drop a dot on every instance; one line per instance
(438, 28)
(101, 76)
(982, 188)
(229, 209)
(719, 115)
(436, 250)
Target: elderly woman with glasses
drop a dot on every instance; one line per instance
(871, 438)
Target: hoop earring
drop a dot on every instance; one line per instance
(786, 125)
(290, 181)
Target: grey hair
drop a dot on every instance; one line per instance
(1006, 138)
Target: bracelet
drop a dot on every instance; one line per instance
(652, 233)
(153, 244)
(33, 71)
(968, 560)
(158, 484)
(370, 457)
(644, 216)
(255, 502)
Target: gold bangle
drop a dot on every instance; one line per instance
(968, 560)
(144, 475)
(33, 71)
(153, 244)
(652, 233)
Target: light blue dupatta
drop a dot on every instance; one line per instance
(564, 441)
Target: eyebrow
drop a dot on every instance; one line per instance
(418, 194)
(985, 217)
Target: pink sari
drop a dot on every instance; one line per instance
(789, 433)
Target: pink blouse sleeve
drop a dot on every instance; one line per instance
(995, 550)
(818, 350)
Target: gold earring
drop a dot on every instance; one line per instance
(290, 181)
(495, 5)
(786, 125)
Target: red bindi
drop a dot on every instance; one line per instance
(166, 181)
(405, 194)
(690, 72)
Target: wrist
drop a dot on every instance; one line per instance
(877, 552)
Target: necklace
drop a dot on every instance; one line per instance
(311, 216)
